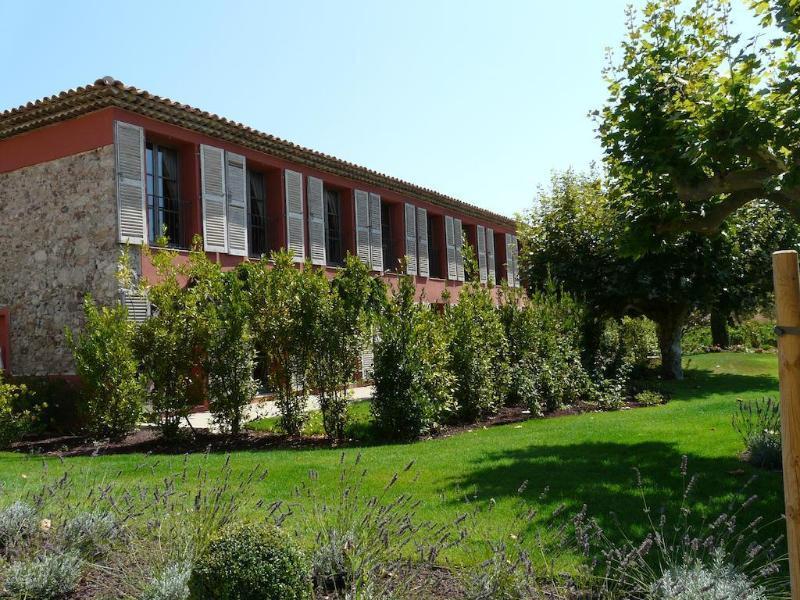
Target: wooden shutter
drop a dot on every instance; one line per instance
(411, 239)
(423, 263)
(511, 276)
(212, 181)
(449, 234)
(367, 364)
(375, 233)
(515, 253)
(482, 253)
(316, 221)
(458, 230)
(137, 304)
(362, 227)
(131, 203)
(490, 263)
(236, 186)
(295, 221)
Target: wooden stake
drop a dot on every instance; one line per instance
(786, 279)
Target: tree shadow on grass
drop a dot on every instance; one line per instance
(700, 384)
(602, 477)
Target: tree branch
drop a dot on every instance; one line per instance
(730, 183)
(711, 220)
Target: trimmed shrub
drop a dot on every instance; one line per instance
(17, 523)
(413, 384)
(105, 362)
(58, 405)
(44, 578)
(90, 533)
(171, 584)
(758, 422)
(250, 562)
(478, 349)
(14, 423)
(650, 398)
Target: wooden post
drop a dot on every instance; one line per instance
(786, 279)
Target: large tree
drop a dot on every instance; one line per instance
(576, 236)
(701, 121)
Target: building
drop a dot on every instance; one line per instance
(90, 169)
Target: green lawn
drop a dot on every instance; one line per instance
(585, 459)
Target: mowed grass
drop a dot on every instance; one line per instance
(584, 459)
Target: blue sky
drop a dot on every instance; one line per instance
(479, 100)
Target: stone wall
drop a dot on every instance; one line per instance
(58, 240)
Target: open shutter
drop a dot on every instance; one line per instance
(137, 304)
(212, 181)
(362, 227)
(235, 183)
(375, 233)
(295, 221)
(367, 364)
(316, 221)
(490, 264)
(458, 230)
(422, 243)
(411, 239)
(515, 253)
(131, 212)
(510, 262)
(482, 253)
(450, 240)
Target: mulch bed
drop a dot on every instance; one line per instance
(149, 441)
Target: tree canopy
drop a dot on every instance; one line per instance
(701, 121)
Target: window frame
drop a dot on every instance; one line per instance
(333, 258)
(152, 148)
(264, 227)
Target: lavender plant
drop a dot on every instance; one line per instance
(758, 422)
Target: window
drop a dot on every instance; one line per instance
(257, 213)
(333, 227)
(389, 263)
(163, 195)
(435, 246)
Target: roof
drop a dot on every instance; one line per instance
(109, 92)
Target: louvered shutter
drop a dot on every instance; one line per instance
(316, 221)
(422, 243)
(490, 263)
(411, 238)
(235, 184)
(482, 253)
(375, 233)
(449, 234)
(515, 252)
(295, 221)
(362, 227)
(510, 262)
(212, 181)
(458, 230)
(137, 304)
(131, 203)
(367, 364)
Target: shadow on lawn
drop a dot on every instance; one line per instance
(700, 384)
(601, 476)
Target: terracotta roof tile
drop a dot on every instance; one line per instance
(108, 91)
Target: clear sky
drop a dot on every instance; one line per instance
(479, 100)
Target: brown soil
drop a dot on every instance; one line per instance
(149, 440)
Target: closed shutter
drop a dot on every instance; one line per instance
(212, 180)
(316, 221)
(375, 233)
(422, 243)
(295, 221)
(482, 253)
(236, 182)
(131, 211)
(449, 234)
(511, 266)
(367, 364)
(137, 304)
(362, 227)
(458, 230)
(411, 239)
(490, 263)
(515, 252)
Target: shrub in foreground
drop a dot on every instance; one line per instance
(17, 523)
(413, 385)
(47, 577)
(171, 584)
(14, 423)
(250, 562)
(89, 532)
(758, 422)
(105, 362)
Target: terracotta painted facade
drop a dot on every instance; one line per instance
(78, 123)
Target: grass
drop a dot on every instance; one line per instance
(358, 413)
(583, 459)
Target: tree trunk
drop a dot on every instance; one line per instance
(719, 329)
(669, 328)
